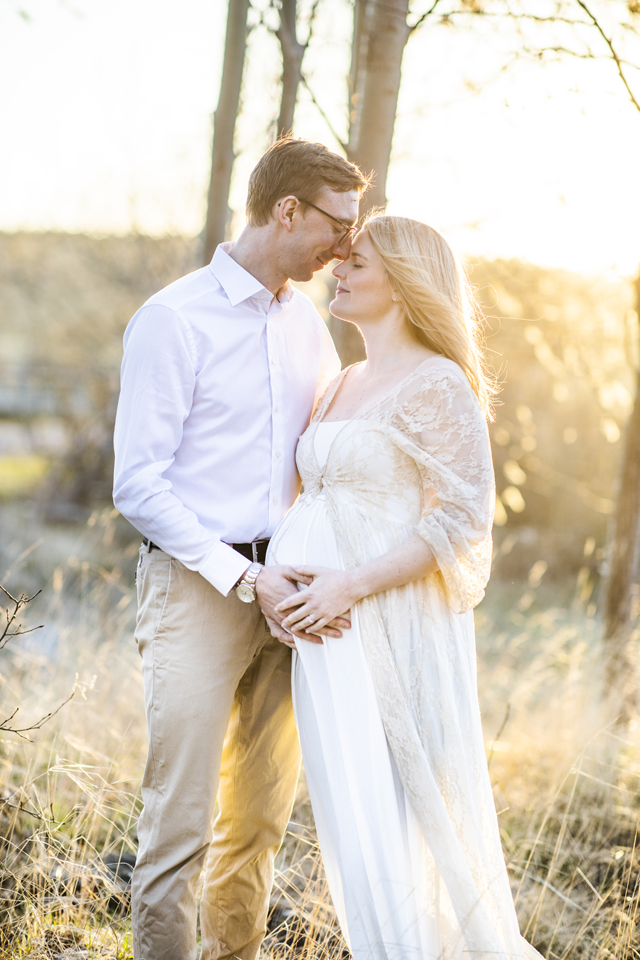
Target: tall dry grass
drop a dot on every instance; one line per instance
(565, 779)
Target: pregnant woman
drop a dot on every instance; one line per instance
(394, 523)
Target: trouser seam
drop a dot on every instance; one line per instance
(156, 779)
(228, 858)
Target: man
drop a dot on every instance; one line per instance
(220, 374)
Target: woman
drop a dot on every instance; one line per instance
(394, 524)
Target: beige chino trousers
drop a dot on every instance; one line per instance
(218, 704)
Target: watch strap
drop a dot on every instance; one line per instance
(250, 576)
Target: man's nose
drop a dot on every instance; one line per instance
(342, 249)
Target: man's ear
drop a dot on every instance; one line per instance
(285, 210)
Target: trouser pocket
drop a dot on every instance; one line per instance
(153, 585)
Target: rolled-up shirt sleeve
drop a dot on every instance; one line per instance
(157, 386)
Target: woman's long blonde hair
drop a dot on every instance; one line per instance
(435, 294)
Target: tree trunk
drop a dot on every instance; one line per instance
(292, 54)
(224, 125)
(621, 601)
(380, 34)
(362, 17)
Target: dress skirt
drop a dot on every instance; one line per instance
(374, 855)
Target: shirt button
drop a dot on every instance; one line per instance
(275, 501)
(278, 454)
(276, 409)
(273, 361)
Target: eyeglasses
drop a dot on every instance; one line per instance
(348, 231)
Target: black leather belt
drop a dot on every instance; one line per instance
(255, 551)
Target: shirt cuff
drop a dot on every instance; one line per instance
(223, 567)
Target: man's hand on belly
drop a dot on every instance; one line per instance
(275, 584)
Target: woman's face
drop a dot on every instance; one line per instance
(364, 293)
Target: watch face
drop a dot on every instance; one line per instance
(245, 593)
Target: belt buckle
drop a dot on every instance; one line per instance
(254, 550)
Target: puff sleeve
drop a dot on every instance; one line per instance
(439, 423)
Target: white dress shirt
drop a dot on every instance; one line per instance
(218, 381)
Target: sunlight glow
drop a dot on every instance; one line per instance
(109, 127)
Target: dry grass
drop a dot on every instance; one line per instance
(566, 781)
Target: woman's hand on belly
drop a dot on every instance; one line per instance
(274, 584)
(335, 591)
(329, 597)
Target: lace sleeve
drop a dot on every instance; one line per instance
(439, 423)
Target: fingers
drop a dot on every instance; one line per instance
(283, 635)
(313, 638)
(305, 571)
(301, 578)
(303, 620)
(325, 632)
(295, 600)
(299, 620)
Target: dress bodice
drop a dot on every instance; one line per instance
(324, 436)
(373, 476)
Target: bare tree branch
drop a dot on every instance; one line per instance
(322, 113)
(425, 15)
(7, 634)
(11, 615)
(566, 51)
(536, 18)
(38, 816)
(495, 14)
(21, 731)
(612, 50)
(312, 18)
(293, 53)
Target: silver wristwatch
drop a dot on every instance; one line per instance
(246, 585)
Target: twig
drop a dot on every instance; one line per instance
(499, 734)
(303, 80)
(18, 602)
(424, 16)
(512, 16)
(538, 54)
(312, 17)
(592, 21)
(614, 55)
(38, 816)
(20, 731)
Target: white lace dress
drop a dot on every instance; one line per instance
(388, 715)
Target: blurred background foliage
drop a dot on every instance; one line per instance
(563, 346)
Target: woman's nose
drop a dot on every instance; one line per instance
(338, 271)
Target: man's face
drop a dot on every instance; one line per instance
(315, 239)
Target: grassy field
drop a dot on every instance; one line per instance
(21, 474)
(565, 779)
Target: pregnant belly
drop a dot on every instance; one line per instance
(305, 536)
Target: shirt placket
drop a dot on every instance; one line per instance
(276, 378)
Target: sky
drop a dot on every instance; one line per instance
(107, 107)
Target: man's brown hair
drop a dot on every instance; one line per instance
(298, 168)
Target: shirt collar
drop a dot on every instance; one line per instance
(238, 283)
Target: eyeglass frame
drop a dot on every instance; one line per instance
(348, 231)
